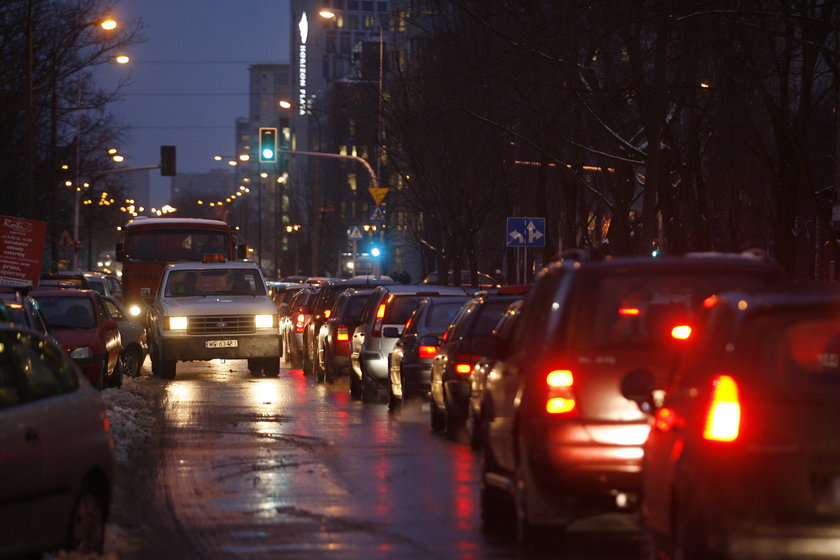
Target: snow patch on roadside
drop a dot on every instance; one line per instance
(131, 415)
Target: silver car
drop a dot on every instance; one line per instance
(381, 325)
(133, 335)
(57, 472)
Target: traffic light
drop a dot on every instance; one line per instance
(167, 161)
(268, 144)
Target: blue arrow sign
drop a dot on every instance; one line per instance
(525, 232)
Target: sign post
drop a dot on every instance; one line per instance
(523, 233)
(21, 251)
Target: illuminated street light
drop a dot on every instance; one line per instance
(108, 24)
(122, 59)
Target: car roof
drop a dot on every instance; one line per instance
(688, 262)
(215, 265)
(62, 292)
(421, 289)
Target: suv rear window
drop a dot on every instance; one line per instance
(637, 311)
(399, 308)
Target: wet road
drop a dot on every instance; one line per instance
(254, 468)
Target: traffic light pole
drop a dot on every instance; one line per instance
(374, 181)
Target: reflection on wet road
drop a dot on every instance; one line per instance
(285, 468)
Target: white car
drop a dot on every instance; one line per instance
(207, 311)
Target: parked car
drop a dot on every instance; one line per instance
(484, 280)
(57, 472)
(79, 321)
(560, 440)
(743, 460)
(105, 284)
(68, 279)
(389, 306)
(294, 324)
(132, 334)
(282, 297)
(465, 341)
(321, 307)
(483, 368)
(333, 340)
(23, 310)
(410, 362)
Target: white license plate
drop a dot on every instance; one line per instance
(221, 344)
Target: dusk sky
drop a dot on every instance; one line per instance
(190, 78)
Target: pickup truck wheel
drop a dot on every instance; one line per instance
(167, 369)
(254, 365)
(271, 366)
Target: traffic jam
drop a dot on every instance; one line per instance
(696, 393)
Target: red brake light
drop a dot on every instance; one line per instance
(629, 311)
(426, 351)
(463, 369)
(299, 320)
(665, 419)
(464, 363)
(377, 322)
(342, 333)
(327, 313)
(681, 332)
(560, 398)
(723, 418)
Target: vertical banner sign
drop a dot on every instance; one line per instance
(21, 251)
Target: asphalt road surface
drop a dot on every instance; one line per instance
(245, 467)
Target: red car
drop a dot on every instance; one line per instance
(79, 321)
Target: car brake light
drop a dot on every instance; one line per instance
(681, 332)
(342, 334)
(299, 320)
(426, 351)
(464, 363)
(723, 417)
(327, 313)
(377, 321)
(629, 311)
(560, 399)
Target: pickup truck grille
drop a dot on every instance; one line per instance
(225, 324)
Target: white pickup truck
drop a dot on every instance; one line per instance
(207, 311)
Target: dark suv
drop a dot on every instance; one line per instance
(743, 458)
(560, 439)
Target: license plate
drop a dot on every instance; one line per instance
(221, 344)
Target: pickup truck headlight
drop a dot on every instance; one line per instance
(176, 323)
(82, 353)
(264, 321)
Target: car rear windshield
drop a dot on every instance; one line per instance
(353, 308)
(442, 314)
(399, 308)
(638, 311)
(67, 312)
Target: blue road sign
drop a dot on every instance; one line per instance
(377, 213)
(356, 233)
(525, 232)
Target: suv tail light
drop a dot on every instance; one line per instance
(299, 322)
(560, 399)
(342, 333)
(327, 313)
(723, 417)
(464, 363)
(377, 321)
(426, 351)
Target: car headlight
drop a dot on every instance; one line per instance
(82, 353)
(177, 323)
(135, 310)
(264, 321)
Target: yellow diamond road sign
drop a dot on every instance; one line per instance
(378, 193)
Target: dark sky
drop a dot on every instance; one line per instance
(190, 78)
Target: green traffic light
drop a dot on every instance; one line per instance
(268, 144)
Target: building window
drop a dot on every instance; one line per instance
(352, 5)
(367, 6)
(382, 6)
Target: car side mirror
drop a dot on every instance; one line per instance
(391, 332)
(637, 386)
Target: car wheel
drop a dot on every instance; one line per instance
(307, 362)
(526, 531)
(86, 533)
(167, 369)
(496, 504)
(254, 365)
(436, 417)
(271, 366)
(394, 402)
(355, 387)
(115, 378)
(474, 429)
(370, 389)
(155, 359)
(132, 362)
